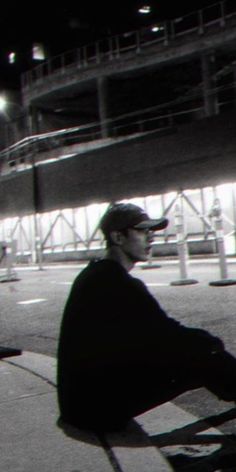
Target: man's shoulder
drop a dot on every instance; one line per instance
(103, 265)
(100, 269)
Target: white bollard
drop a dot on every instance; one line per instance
(39, 253)
(216, 215)
(7, 262)
(182, 249)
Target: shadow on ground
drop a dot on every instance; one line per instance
(132, 437)
(193, 449)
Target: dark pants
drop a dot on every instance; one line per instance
(107, 399)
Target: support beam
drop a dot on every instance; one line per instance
(234, 81)
(209, 93)
(102, 87)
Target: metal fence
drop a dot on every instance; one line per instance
(113, 47)
(73, 233)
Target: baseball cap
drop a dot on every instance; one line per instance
(121, 216)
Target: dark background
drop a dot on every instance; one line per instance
(63, 27)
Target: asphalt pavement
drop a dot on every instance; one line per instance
(195, 432)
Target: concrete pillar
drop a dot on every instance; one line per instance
(234, 80)
(34, 128)
(209, 94)
(102, 88)
(33, 120)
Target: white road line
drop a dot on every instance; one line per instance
(157, 285)
(34, 300)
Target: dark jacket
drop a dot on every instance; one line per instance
(112, 330)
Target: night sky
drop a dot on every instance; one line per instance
(71, 24)
(79, 21)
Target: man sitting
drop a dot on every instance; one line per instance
(119, 353)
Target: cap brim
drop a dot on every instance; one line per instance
(155, 225)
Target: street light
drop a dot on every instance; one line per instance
(11, 111)
(3, 103)
(3, 107)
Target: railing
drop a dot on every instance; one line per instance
(112, 48)
(164, 117)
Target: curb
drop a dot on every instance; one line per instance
(126, 451)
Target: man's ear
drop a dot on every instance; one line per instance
(117, 237)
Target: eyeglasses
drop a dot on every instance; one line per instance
(147, 231)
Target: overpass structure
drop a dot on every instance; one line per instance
(178, 143)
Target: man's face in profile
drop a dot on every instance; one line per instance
(136, 244)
